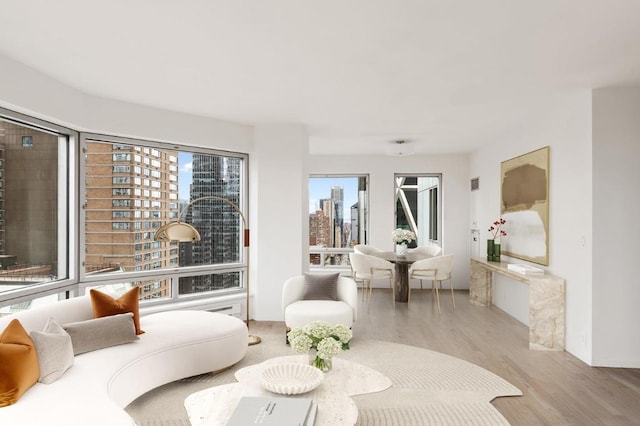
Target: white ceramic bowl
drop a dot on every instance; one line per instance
(291, 379)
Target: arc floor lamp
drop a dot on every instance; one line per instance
(185, 232)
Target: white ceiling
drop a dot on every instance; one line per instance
(445, 75)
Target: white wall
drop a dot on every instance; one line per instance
(381, 169)
(278, 216)
(564, 125)
(25, 90)
(616, 234)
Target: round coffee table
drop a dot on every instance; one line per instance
(215, 405)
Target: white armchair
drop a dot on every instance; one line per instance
(298, 312)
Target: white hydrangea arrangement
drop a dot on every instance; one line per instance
(402, 236)
(326, 339)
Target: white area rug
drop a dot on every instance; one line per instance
(429, 388)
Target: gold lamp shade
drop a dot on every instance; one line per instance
(177, 231)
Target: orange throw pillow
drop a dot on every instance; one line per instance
(19, 368)
(105, 305)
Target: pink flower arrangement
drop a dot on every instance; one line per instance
(496, 229)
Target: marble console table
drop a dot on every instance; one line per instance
(546, 301)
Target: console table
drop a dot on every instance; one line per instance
(546, 301)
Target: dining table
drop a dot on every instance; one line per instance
(402, 263)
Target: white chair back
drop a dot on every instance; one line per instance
(366, 249)
(370, 267)
(430, 249)
(437, 268)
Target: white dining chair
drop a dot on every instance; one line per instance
(435, 269)
(369, 268)
(428, 250)
(366, 249)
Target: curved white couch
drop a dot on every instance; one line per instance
(95, 390)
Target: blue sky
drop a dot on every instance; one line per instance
(320, 188)
(185, 176)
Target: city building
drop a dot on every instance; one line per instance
(130, 191)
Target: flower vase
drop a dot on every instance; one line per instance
(496, 251)
(491, 247)
(321, 364)
(401, 249)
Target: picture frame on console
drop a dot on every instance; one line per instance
(524, 203)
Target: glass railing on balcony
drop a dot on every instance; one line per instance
(333, 258)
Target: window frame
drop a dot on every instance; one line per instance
(340, 250)
(68, 188)
(438, 201)
(173, 273)
(71, 222)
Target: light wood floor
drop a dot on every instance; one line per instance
(558, 388)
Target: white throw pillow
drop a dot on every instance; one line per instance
(54, 349)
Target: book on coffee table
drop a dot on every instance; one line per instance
(273, 411)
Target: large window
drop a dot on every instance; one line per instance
(417, 199)
(34, 197)
(80, 211)
(125, 204)
(338, 218)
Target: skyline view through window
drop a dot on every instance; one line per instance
(337, 217)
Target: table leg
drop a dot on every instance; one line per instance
(402, 282)
(480, 285)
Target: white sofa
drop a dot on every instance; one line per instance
(95, 390)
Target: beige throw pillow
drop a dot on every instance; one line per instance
(99, 333)
(55, 351)
(320, 286)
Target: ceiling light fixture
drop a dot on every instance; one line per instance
(401, 148)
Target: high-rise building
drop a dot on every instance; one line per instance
(28, 166)
(337, 196)
(328, 208)
(320, 227)
(130, 192)
(218, 223)
(355, 227)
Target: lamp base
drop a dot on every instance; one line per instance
(254, 340)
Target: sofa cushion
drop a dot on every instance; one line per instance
(19, 369)
(55, 351)
(99, 333)
(302, 312)
(105, 305)
(320, 286)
